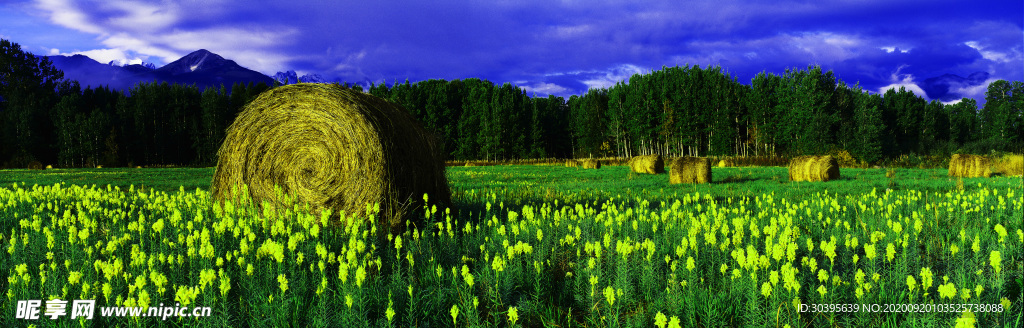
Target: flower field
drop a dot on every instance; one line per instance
(534, 250)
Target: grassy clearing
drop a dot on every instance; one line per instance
(535, 246)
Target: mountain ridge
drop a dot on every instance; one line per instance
(202, 68)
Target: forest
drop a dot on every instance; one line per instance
(674, 111)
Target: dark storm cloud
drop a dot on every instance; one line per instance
(565, 47)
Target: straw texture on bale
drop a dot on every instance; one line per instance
(724, 163)
(590, 163)
(572, 163)
(690, 170)
(970, 166)
(1010, 165)
(35, 165)
(648, 164)
(813, 168)
(332, 148)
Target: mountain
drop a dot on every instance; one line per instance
(201, 68)
(948, 86)
(291, 77)
(312, 78)
(207, 69)
(90, 72)
(288, 77)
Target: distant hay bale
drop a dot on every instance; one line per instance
(813, 168)
(470, 163)
(690, 170)
(590, 163)
(648, 164)
(35, 165)
(49, 167)
(726, 163)
(99, 166)
(1009, 165)
(332, 148)
(572, 163)
(970, 166)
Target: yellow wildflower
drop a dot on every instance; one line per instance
(660, 320)
(995, 259)
(513, 314)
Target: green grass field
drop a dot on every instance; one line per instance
(538, 183)
(532, 246)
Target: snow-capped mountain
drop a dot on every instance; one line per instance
(201, 68)
(312, 78)
(288, 77)
(291, 77)
(198, 60)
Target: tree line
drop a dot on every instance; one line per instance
(674, 111)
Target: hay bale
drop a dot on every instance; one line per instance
(35, 165)
(332, 148)
(690, 170)
(590, 163)
(970, 166)
(572, 163)
(49, 167)
(470, 163)
(1010, 165)
(813, 168)
(648, 164)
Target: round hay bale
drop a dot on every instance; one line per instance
(690, 170)
(470, 164)
(35, 165)
(813, 168)
(1010, 165)
(723, 163)
(572, 163)
(647, 164)
(49, 167)
(969, 166)
(332, 148)
(99, 166)
(590, 163)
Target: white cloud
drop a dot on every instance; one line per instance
(976, 92)
(54, 51)
(143, 16)
(570, 31)
(905, 81)
(147, 30)
(65, 13)
(104, 56)
(827, 46)
(544, 88)
(892, 49)
(989, 54)
(351, 64)
(608, 78)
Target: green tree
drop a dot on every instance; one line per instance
(870, 128)
(997, 116)
(28, 90)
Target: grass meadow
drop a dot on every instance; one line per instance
(529, 246)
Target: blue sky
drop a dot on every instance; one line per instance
(545, 46)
